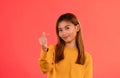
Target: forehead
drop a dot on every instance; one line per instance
(63, 24)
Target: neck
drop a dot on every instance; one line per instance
(71, 44)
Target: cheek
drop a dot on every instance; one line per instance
(73, 34)
(72, 30)
(59, 34)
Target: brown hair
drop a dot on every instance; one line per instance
(59, 49)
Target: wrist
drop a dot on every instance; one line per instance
(45, 48)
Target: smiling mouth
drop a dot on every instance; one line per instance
(65, 37)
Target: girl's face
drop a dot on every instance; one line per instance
(67, 31)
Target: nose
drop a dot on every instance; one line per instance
(64, 33)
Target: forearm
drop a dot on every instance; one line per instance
(45, 66)
(45, 61)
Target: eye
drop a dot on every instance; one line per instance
(67, 28)
(59, 30)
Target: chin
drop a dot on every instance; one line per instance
(67, 41)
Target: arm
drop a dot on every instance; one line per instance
(89, 67)
(46, 60)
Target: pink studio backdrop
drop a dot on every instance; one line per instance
(23, 21)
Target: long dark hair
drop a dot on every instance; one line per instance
(59, 49)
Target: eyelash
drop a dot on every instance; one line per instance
(65, 28)
(59, 30)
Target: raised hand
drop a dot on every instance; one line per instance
(43, 41)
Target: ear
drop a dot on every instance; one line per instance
(77, 27)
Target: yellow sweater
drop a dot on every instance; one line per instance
(66, 68)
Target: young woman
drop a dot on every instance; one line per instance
(68, 58)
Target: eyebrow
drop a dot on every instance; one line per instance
(64, 27)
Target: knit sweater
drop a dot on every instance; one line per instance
(66, 68)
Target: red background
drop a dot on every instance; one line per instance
(23, 21)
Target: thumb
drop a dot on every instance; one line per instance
(45, 34)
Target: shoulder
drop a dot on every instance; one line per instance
(88, 56)
(51, 46)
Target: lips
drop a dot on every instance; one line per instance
(65, 37)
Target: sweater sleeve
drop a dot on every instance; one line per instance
(88, 67)
(46, 60)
